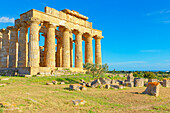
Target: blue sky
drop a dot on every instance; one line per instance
(136, 32)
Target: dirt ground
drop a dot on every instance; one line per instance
(32, 96)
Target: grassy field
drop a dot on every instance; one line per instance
(32, 95)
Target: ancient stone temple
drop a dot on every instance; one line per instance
(19, 44)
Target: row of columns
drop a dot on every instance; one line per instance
(23, 54)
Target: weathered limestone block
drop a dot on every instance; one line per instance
(95, 83)
(130, 78)
(152, 88)
(166, 82)
(152, 80)
(78, 102)
(129, 84)
(139, 82)
(114, 82)
(107, 86)
(76, 87)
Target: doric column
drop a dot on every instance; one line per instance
(71, 49)
(0, 48)
(34, 54)
(13, 47)
(78, 49)
(23, 45)
(5, 48)
(45, 50)
(98, 58)
(41, 56)
(65, 47)
(50, 46)
(59, 52)
(88, 49)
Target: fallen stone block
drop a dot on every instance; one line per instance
(75, 87)
(83, 88)
(152, 88)
(152, 80)
(28, 76)
(117, 86)
(88, 84)
(107, 86)
(4, 79)
(62, 83)
(166, 82)
(3, 84)
(95, 83)
(49, 83)
(139, 82)
(54, 82)
(78, 102)
(128, 84)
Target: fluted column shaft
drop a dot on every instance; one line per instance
(98, 58)
(78, 50)
(50, 46)
(41, 56)
(5, 49)
(65, 47)
(0, 49)
(71, 49)
(13, 47)
(23, 46)
(34, 54)
(59, 52)
(88, 50)
(45, 50)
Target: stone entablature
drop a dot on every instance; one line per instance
(61, 20)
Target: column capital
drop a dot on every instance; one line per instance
(34, 20)
(87, 35)
(98, 37)
(49, 25)
(12, 28)
(2, 30)
(76, 32)
(23, 24)
(63, 28)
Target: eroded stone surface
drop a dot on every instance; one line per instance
(152, 88)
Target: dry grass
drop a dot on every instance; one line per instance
(32, 95)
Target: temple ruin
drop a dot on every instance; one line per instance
(19, 44)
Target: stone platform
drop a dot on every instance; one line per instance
(38, 70)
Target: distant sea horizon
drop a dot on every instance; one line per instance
(143, 70)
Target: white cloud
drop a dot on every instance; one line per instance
(164, 11)
(149, 51)
(6, 20)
